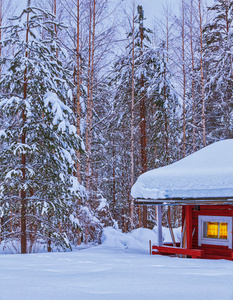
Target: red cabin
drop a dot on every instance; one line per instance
(202, 184)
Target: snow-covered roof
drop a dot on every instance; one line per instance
(204, 175)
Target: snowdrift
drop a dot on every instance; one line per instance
(138, 239)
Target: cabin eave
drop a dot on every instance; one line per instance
(185, 201)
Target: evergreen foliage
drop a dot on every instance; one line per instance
(153, 83)
(218, 40)
(38, 156)
(41, 155)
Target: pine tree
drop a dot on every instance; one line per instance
(164, 122)
(160, 104)
(218, 42)
(38, 160)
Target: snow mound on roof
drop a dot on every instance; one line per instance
(205, 173)
(138, 239)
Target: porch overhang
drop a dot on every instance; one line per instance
(204, 177)
(185, 201)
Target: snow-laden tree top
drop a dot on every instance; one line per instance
(204, 174)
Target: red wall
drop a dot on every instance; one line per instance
(210, 251)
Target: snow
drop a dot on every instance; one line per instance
(74, 221)
(205, 173)
(138, 239)
(62, 126)
(45, 208)
(58, 108)
(77, 187)
(12, 173)
(3, 133)
(113, 272)
(103, 203)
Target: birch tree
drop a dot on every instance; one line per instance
(132, 124)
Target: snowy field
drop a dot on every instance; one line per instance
(121, 272)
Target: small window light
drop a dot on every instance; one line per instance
(215, 230)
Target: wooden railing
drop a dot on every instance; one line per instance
(194, 253)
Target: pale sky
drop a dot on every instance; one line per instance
(154, 8)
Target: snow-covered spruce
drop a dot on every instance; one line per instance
(218, 56)
(155, 96)
(38, 189)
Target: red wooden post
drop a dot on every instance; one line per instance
(188, 212)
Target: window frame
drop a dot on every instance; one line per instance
(214, 241)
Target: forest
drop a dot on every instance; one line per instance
(91, 98)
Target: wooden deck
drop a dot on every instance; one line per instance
(194, 253)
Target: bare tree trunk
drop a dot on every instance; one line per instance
(193, 81)
(55, 13)
(132, 129)
(23, 160)
(143, 132)
(49, 246)
(228, 26)
(202, 78)
(143, 119)
(89, 106)
(227, 31)
(123, 220)
(165, 96)
(114, 181)
(11, 223)
(92, 69)
(1, 220)
(78, 87)
(89, 116)
(0, 33)
(77, 76)
(167, 17)
(184, 83)
(166, 162)
(90, 98)
(143, 153)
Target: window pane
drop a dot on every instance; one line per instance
(212, 230)
(223, 231)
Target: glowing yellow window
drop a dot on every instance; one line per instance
(223, 231)
(212, 230)
(216, 230)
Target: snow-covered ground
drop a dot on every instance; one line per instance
(120, 268)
